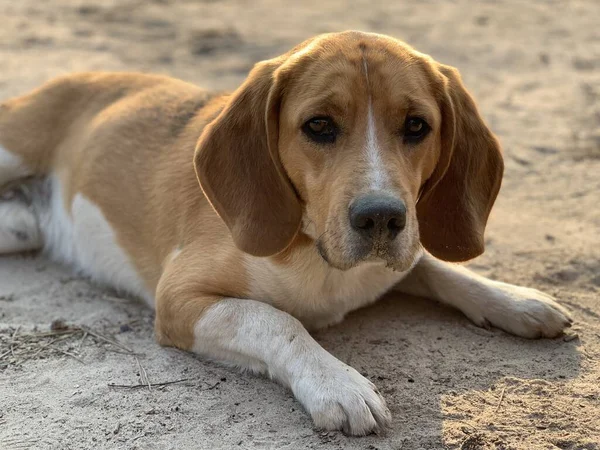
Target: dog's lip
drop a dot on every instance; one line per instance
(321, 250)
(368, 259)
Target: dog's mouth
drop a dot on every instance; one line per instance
(399, 260)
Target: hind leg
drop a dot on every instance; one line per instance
(19, 224)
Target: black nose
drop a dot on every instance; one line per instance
(377, 215)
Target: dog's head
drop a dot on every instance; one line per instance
(358, 141)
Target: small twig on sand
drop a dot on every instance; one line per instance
(143, 374)
(106, 339)
(68, 354)
(139, 386)
(210, 388)
(39, 350)
(80, 346)
(120, 352)
(500, 401)
(14, 335)
(70, 331)
(13, 340)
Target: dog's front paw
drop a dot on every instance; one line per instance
(522, 311)
(339, 398)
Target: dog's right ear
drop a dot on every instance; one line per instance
(238, 166)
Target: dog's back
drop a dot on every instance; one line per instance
(86, 150)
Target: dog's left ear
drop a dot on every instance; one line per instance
(457, 199)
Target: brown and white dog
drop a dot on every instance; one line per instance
(350, 166)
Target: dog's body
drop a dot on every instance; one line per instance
(102, 171)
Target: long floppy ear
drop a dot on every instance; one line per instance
(238, 166)
(457, 199)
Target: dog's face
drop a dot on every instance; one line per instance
(359, 131)
(367, 146)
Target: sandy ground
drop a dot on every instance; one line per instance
(534, 68)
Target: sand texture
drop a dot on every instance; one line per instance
(534, 67)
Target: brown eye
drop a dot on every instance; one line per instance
(318, 125)
(415, 129)
(414, 126)
(321, 130)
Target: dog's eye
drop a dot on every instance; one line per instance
(321, 130)
(415, 129)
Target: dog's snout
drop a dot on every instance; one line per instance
(376, 215)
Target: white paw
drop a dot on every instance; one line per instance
(521, 311)
(339, 398)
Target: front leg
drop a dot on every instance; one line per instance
(518, 310)
(256, 336)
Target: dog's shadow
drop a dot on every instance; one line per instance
(440, 374)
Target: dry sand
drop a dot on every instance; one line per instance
(535, 69)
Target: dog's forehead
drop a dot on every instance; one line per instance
(357, 48)
(347, 69)
(348, 59)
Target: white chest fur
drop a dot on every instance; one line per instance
(314, 292)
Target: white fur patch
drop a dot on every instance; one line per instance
(86, 240)
(255, 336)
(57, 225)
(11, 167)
(377, 172)
(521, 311)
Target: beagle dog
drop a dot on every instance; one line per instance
(348, 167)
